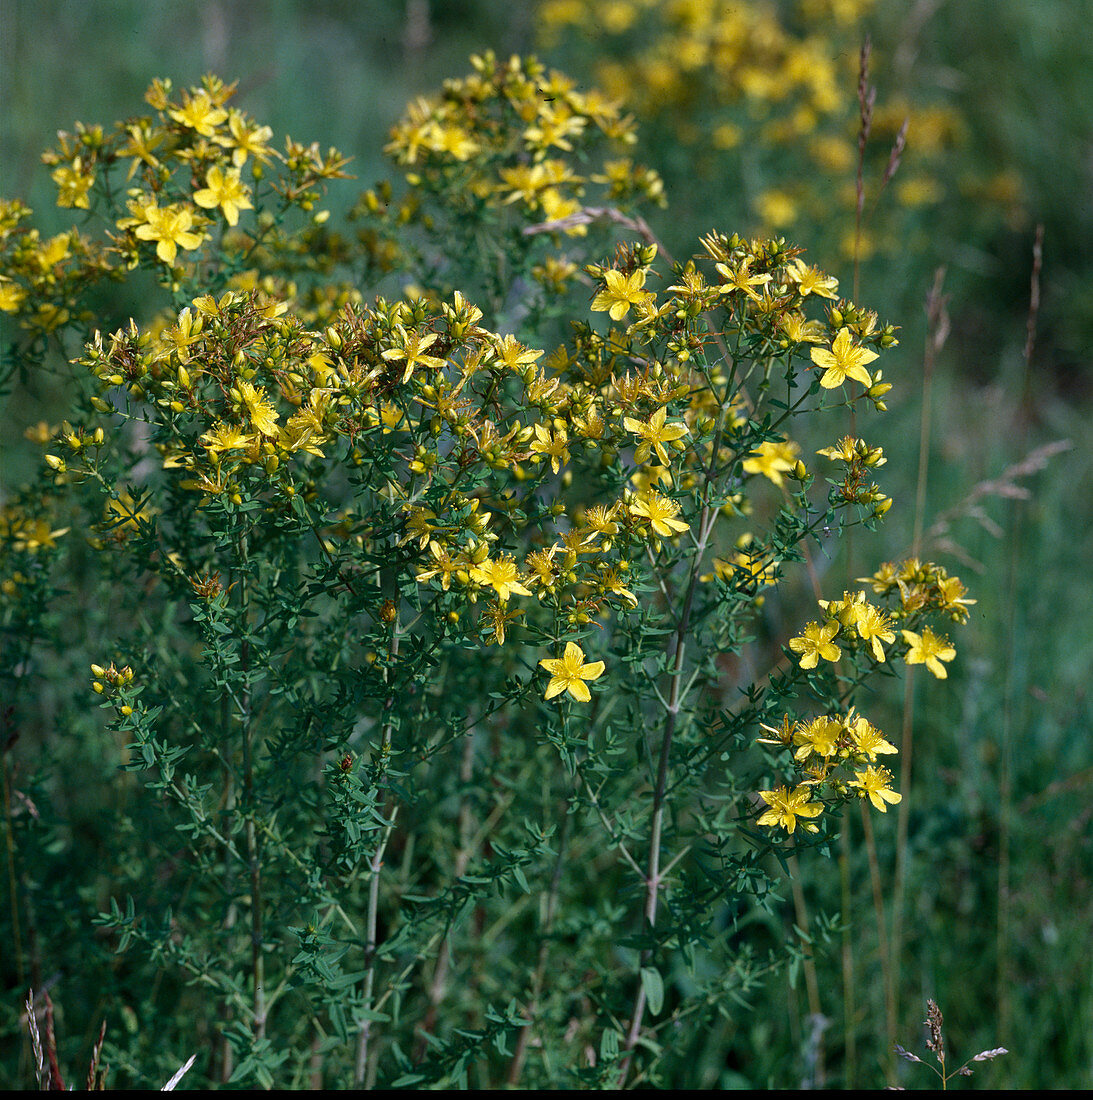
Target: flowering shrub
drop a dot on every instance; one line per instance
(440, 763)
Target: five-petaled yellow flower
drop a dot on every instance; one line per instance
(741, 278)
(845, 360)
(502, 575)
(930, 650)
(773, 459)
(412, 348)
(654, 435)
(171, 228)
(621, 292)
(226, 190)
(867, 739)
(569, 673)
(786, 806)
(810, 280)
(815, 643)
(876, 783)
(661, 512)
(200, 113)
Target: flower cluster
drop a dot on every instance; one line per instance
(28, 532)
(188, 173)
(252, 400)
(836, 755)
(852, 629)
(515, 153)
(517, 129)
(913, 590)
(114, 685)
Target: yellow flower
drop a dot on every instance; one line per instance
(773, 459)
(262, 414)
(171, 228)
(811, 280)
(497, 619)
(542, 570)
(569, 673)
(600, 521)
(525, 181)
(928, 649)
(73, 184)
(556, 209)
(951, 598)
(876, 783)
(815, 643)
(201, 114)
(846, 611)
(11, 295)
(799, 330)
(867, 739)
(611, 582)
(741, 278)
(247, 139)
(874, 627)
(143, 141)
(452, 140)
(224, 189)
(555, 447)
(844, 360)
(444, 565)
(412, 349)
(226, 437)
(660, 511)
(620, 293)
(820, 736)
(514, 355)
(654, 435)
(786, 806)
(502, 575)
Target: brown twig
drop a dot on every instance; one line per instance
(93, 1069)
(56, 1081)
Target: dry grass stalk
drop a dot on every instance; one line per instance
(896, 155)
(95, 1079)
(1005, 486)
(936, 1045)
(182, 1070)
(36, 1042)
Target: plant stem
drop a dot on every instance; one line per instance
(849, 1039)
(653, 875)
(374, 866)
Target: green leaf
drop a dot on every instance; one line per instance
(653, 984)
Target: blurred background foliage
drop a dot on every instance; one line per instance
(751, 113)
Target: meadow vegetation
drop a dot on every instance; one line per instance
(500, 626)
